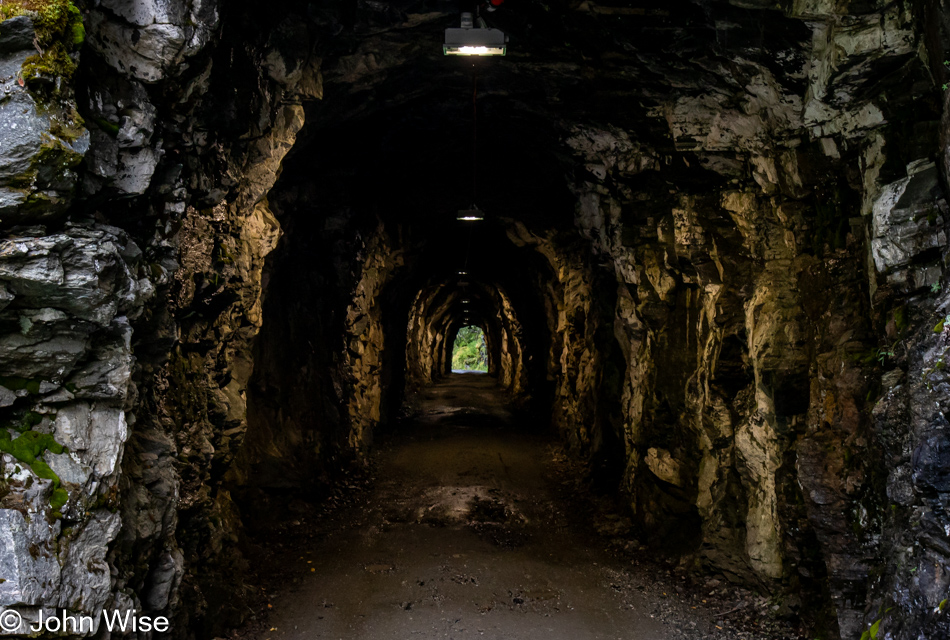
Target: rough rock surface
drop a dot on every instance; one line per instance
(714, 261)
(41, 142)
(71, 296)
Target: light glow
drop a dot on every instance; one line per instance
(474, 51)
(470, 41)
(470, 215)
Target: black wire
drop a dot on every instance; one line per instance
(468, 243)
(474, 133)
(468, 247)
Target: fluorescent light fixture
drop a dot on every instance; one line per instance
(476, 49)
(470, 40)
(471, 50)
(470, 215)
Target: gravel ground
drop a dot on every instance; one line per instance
(466, 526)
(734, 610)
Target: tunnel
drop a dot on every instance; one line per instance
(695, 251)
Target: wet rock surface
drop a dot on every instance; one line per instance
(42, 139)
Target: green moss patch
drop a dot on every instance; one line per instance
(900, 319)
(59, 33)
(69, 126)
(28, 445)
(54, 20)
(28, 448)
(14, 383)
(108, 127)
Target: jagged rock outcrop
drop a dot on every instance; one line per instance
(909, 218)
(76, 295)
(42, 138)
(66, 387)
(753, 302)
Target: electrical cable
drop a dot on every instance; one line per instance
(474, 133)
(468, 244)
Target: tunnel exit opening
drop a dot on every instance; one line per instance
(470, 351)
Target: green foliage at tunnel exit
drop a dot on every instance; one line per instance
(470, 353)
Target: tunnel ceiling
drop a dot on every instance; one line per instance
(694, 90)
(620, 64)
(665, 98)
(573, 62)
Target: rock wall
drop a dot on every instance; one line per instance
(131, 514)
(66, 354)
(437, 315)
(579, 356)
(70, 293)
(908, 248)
(366, 341)
(762, 307)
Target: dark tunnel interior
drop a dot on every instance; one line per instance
(710, 265)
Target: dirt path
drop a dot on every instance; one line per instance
(462, 535)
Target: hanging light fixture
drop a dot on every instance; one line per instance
(470, 215)
(469, 40)
(473, 213)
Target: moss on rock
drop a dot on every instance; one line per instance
(54, 19)
(45, 68)
(59, 33)
(28, 448)
(49, 181)
(15, 383)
